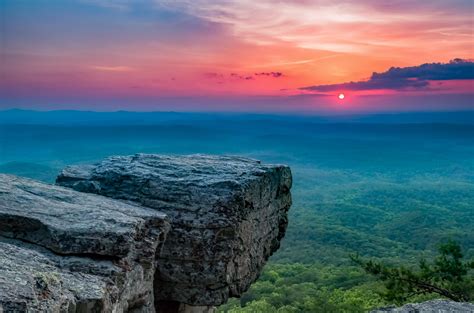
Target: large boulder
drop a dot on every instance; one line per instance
(433, 306)
(66, 251)
(228, 215)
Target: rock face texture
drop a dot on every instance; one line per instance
(228, 215)
(433, 306)
(65, 251)
(182, 234)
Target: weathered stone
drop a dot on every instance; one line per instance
(66, 251)
(438, 306)
(176, 307)
(228, 216)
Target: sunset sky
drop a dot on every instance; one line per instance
(237, 55)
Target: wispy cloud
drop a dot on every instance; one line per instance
(235, 76)
(270, 74)
(348, 26)
(405, 78)
(102, 47)
(113, 68)
(111, 4)
(241, 77)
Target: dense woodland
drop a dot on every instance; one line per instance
(397, 223)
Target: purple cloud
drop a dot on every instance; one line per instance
(403, 78)
(235, 76)
(213, 75)
(271, 74)
(243, 77)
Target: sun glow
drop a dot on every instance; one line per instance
(341, 96)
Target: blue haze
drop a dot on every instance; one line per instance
(390, 185)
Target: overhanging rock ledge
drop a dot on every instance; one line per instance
(227, 214)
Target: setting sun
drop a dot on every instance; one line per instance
(341, 96)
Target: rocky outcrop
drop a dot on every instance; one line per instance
(66, 251)
(228, 215)
(438, 306)
(182, 234)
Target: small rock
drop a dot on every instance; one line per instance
(433, 306)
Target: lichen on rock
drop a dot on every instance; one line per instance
(66, 251)
(228, 215)
(140, 233)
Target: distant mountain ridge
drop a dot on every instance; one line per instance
(68, 117)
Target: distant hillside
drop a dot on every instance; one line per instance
(70, 117)
(32, 170)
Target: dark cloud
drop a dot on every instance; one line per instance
(235, 76)
(213, 75)
(271, 74)
(402, 78)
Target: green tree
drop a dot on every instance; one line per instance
(447, 275)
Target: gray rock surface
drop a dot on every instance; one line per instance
(66, 251)
(433, 306)
(228, 215)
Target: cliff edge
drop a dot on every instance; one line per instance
(65, 251)
(228, 215)
(140, 233)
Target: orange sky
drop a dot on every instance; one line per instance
(107, 49)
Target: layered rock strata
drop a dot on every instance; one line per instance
(66, 251)
(228, 215)
(182, 234)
